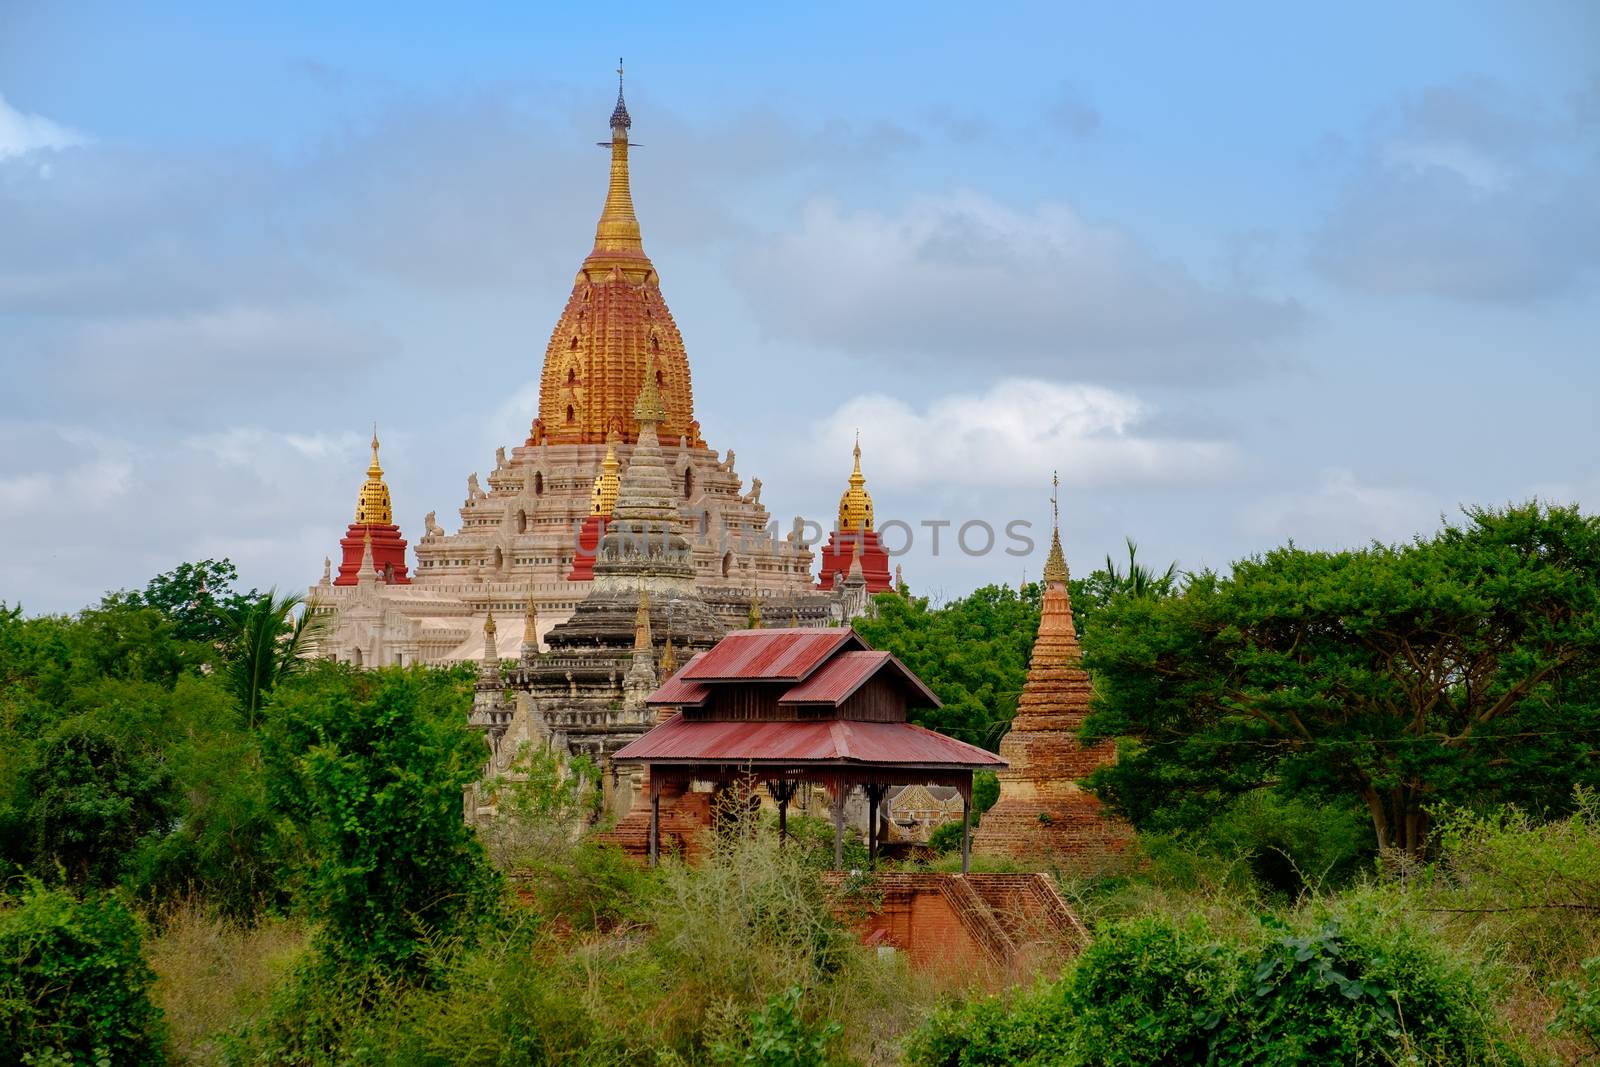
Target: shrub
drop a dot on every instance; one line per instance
(1578, 1014)
(781, 1037)
(73, 984)
(1360, 986)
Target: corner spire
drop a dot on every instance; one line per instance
(373, 507)
(642, 639)
(649, 408)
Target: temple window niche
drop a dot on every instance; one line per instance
(522, 519)
(499, 559)
(572, 416)
(688, 483)
(538, 481)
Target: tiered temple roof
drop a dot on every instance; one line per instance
(1043, 814)
(374, 523)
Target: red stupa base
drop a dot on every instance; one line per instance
(841, 549)
(388, 553)
(589, 534)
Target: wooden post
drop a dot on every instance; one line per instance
(966, 829)
(874, 796)
(655, 819)
(838, 825)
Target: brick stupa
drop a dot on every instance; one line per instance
(1043, 814)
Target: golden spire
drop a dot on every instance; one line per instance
(855, 506)
(1055, 564)
(648, 408)
(372, 507)
(641, 622)
(669, 660)
(618, 229)
(603, 499)
(530, 623)
(755, 609)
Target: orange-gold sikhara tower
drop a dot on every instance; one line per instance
(613, 324)
(1043, 814)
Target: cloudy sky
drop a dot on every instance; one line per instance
(1242, 273)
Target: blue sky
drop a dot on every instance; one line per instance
(1242, 273)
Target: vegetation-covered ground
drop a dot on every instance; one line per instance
(1361, 782)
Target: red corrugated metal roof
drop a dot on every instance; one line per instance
(678, 690)
(770, 655)
(848, 671)
(840, 742)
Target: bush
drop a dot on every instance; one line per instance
(1360, 986)
(73, 984)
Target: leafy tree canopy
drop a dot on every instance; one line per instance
(1460, 668)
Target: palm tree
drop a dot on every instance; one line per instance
(267, 643)
(1139, 580)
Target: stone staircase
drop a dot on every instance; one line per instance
(1013, 923)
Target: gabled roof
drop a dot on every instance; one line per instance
(678, 691)
(835, 742)
(787, 655)
(846, 672)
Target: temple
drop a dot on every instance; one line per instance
(1043, 814)
(532, 528)
(854, 543)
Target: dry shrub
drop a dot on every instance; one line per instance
(213, 974)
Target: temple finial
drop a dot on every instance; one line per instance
(373, 506)
(1055, 564)
(855, 506)
(619, 114)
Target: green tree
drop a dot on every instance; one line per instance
(196, 597)
(90, 800)
(1458, 668)
(372, 765)
(267, 643)
(973, 652)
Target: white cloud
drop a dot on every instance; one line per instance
(1343, 511)
(1013, 434)
(104, 512)
(1470, 192)
(964, 275)
(21, 132)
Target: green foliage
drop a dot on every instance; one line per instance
(196, 597)
(1364, 987)
(74, 987)
(972, 652)
(1578, 1014)
(90, 801)
(266, 644)
(373, 766)
(1455, 669)
(781, 1037)
(1290, 844)
(1530, 887)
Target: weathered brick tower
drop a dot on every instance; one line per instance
(1043, 815)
